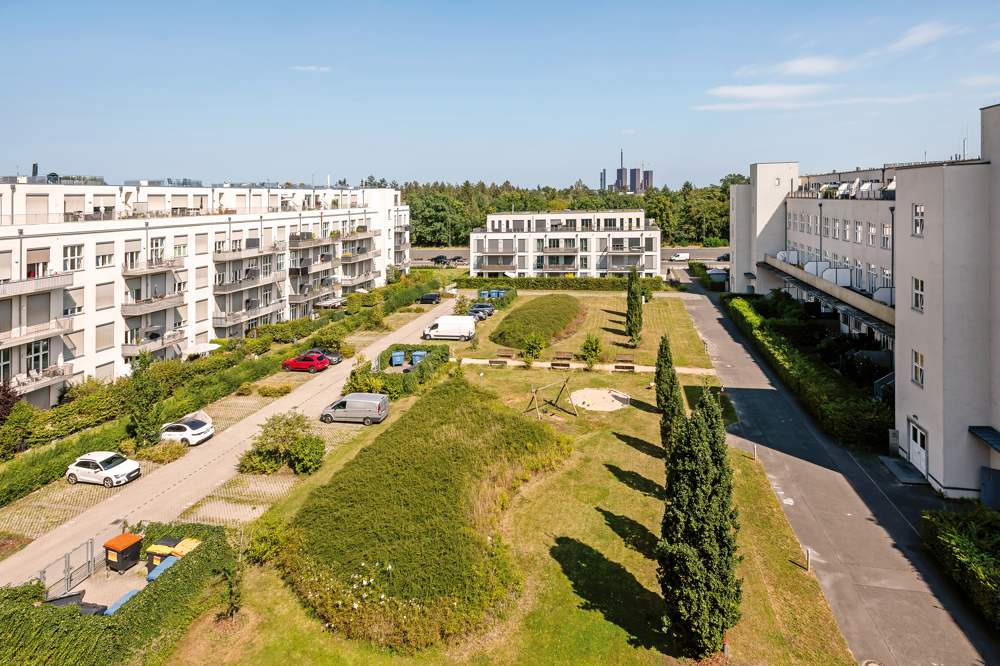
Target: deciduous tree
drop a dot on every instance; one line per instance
(143, 402)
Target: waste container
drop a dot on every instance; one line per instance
(494, 293)
(184, 547)
(168, 562)
(398, 357)
(122, 552)
(160, 551)
(417, 356)
(484, 294)
(118, 604)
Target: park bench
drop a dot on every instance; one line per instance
(624, 367)
(497, 363)
(563, 356)
(506, 353)
(625, 358)
(559, 365)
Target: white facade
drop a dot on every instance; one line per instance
(912, 259)
(580, 243)
(91, 273)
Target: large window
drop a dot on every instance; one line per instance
(38, 355)
(156, 246)
(918, 368)
(836, 227)
(886, 277)
(103, 260)
(872, 278)
(72, 257)
(871, 234)
(858, 233)
(826, 226)
(886, 237)
(918, 294)
(918, 219)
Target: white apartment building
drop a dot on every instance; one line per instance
(910, 255)
(91, 273)
(580, 243)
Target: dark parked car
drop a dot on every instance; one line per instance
(440, 256)
(440, 261)
(332, 356)
(485, 307)
(723, 257)
(459, 260)
(432, 297)
(308, 362)
(480, 315)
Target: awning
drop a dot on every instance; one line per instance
(987, 434)
(868, 320)
(287, 196)
(750, 275)
(510, 274)
(146, 330)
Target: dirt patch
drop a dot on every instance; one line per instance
(573, 327)
(10, 543)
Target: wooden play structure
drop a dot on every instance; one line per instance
(554, 403)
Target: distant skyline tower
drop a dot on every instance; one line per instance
(604, 179)
(621, 182)
(633, 180)
(647, 180)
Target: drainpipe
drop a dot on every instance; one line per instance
(892, 252)
(821, 231)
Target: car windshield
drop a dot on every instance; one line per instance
(113, 461)
(195, 425)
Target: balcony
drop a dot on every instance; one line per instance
(35, 285)
(360, 234)
(299, 239)
(354, 280)
(224, 319)
(401, 247)
(247, 283)
(325, 262)
(150, 267)
(25, 334)
(625, 268)
(173, 337)
(312, 294)
(27, 383)
(561, 250)
(559, 268)
(245, 253)
(626, 249)
(355, 257)
(152, 305)
(500, 251)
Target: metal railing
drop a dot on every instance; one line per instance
(227, 318)
(153, 266)
(247, 283)
(37, 284)
(560, 250)
(34, 380)
(352, 280)
(171, 337)
(152, 305)
(232, 255)
(24, 334)
(879, 385)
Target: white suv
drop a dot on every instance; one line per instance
(188, 433)
(107, 467)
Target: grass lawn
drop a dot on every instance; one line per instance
(606, 318)
(584, 538)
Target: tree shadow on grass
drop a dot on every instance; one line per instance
(643, 406)
(615, 314)
(641, 445)
(635, 535)
(637, 481)
(609, 588)
(614, 331)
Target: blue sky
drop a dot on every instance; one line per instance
(535, 93)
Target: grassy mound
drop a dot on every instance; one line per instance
(546, 315)
(397, 548)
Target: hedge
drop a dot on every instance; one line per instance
(968, 546)
(398, 384)
(558, 284)
(860, 423)
(144, 629)
(501, 303)
(701, 272)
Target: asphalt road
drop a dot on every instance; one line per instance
(707, 255)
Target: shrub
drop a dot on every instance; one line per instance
(143, 402)
(376, 319)
(701, 272)
(712, 241)
(306, 455)
(20, 422)
(267, 535)
(545, 315)
(534, 343)
(556, 284)
(968, 546)
(396, 521)
(8, 398)
(267, 391)
(280, 441)
(591, 350)
(461, 306)
(246, 388)
(145, 629)
(353, 303)
(162, 453)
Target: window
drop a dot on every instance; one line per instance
(554, 243)
(777, 182)
(836, 263)
(886, 277)
(237, 245)
(105, 296)
(156, 246)
(133, 335)
(72, 257)
(918, 219)
(220, 246)
(220, 278)
(569, 243)
(265, 295)
(872, 284)
(836, 228)
(38, 355)
(266, 271)
(788, 220)
(795, 221)
(858, 274)
(809, 224)
(584, 245)
(280, 259)
(918, 368)
(539, 245)
(886, 237)
(847, 230)
(5, 367)
(103, 260)
(131, 259)
(133, 295)
(181, 250)
(584, 262)
(871, 234)
(180, 286)
(72, 301)
(858, 232)
(918, 294)
(326, 229)
(826, 226)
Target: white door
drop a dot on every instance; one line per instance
(918, 448)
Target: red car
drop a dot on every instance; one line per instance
(310, 362)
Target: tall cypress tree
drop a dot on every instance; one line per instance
(669, 399)
(697, 551)
(633, 310)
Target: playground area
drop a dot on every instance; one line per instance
(601, 399)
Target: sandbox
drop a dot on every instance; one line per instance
(601, 399)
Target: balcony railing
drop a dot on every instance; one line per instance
(560, 250)
(34, 380)
(138, 213)
(36, 285)
(626, 249)
(233, 255)
(353, 280)
(149, 267)
(152, 305)
(358, 235)
(312, 294)
(223, 319)
(25, 334)
(247, 283)
(499, 251)
(401, 247)
(559, 268)
(298, 240)
(169, 338)
(355, 257)
(620, 268)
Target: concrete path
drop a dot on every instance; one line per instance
(166, 493)
(893, 603)
(606, 367)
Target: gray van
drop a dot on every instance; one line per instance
(367, 408)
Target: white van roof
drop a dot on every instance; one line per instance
(375, 397)
(453, 319)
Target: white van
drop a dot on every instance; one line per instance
(681, 256)
(458, 328)
(367, 408)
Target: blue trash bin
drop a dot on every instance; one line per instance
(398, 357)
(417, 356)
(494, 293)
(484, 294)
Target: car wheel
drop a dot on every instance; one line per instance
(108, 482)
(71, 479)
(367, 421)
(286, 368)
(312, 369)
(185, 442)
(327, 419)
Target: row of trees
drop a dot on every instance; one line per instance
(697, 548)
(443, 213)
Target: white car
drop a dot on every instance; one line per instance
(188, 433)
(107, 467)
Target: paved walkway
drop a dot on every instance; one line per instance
(893, 603)
(606, 367)
(166, 493)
